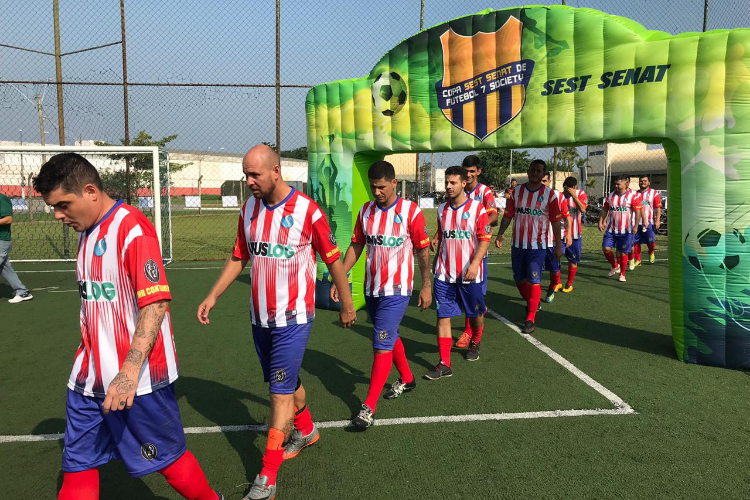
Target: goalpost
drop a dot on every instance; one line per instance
(37, 237)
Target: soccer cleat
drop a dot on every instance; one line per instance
(613, 271)
(440, 371)
(568, 289)
(463, 340)
(622, 278)
(399, 388)
(558, 287)
(298, 441)
(528, 327)
(219, 496)
(261, 490)
(550, 296)
(364, 418)
(652, 258)
(631, 264)
(637, 263)
(473, 353)
(21, 298)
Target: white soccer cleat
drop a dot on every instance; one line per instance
(21, 298)
(614, 271)
(622, 278)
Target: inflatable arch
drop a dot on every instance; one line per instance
(554, 75)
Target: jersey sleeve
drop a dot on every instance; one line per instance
(564, 210)
(142, 261)
(555, 214)
(418, 231)
(358, 236)
(439, 226)
(323, 240)
(606, 204)
(584, 198)
(240, 243)
(6, 207)
(637, 202)
(484, 231)
(510, 206)
(489, 202)
(657, 201)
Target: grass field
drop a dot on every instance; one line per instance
(687, 437)
(209, 236)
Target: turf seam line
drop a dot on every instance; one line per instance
(613, 398)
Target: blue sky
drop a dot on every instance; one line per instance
(234, 42)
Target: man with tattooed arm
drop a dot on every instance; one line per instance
(120, 401)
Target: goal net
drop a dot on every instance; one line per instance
(141, 171)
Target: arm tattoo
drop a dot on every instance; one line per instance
(146, 331)
(134, 356)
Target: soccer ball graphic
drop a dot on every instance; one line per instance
(389, 93)
(713, 245)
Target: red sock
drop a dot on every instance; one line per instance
(557, 278)
(303, 421)
(523, 287)
(623, 263)
(444, 344)
(571, 275)
(80, 485)
(381, 368)
(611, 259)
(274, 455)
(467, 325)
(651, 247)
(402, 365)
(637, 251)
(187, 478)
(536, 295)
(476, 337)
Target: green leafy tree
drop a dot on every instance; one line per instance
(496, 165)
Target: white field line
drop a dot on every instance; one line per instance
(613, 398)
(336, 424)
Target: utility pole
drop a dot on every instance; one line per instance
(278, 77)
(40, 112)
(58, 72)
(554, 167)
(705, 15)
(511, 166)
(125, 99)
(20, 132)
(417, 184)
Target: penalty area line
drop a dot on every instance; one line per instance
(613, 398)
(340, 424)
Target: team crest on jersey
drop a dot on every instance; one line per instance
(279, 375)
(287, 222)
(148, 451)
(540, 197)
(487, 228)
(100, 247)
(383, 334)
(492, 204)
(398, 219)
(465, 216)
(151, 271)
(332, 239)
(480, 94)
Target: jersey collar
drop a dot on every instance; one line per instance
(526, 185)
(388, 208)
(106, 216)
(282, 201)
(461, 205)
(479, 184)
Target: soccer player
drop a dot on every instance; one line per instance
(650, 222)
(619, 208)
(22, 293)
(550, 263)
(463, 237)
(536, 216)
(391, 228)
(477, 191)
(577, 202)
(121, 401)
(279, 230)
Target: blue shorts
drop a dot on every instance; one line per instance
(622, 242)
(573, 252)
(550, 262)
(647, 236)
(386, 314)
(527, 264)
(148, 437)
(452, 298)
(280, 350)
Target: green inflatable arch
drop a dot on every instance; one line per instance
(554, 75)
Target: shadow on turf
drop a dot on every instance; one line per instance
(337, 376)
(6, 291)
(111, 475)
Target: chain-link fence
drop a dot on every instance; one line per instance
(201, 80)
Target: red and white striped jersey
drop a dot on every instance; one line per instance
(483, 194)
(563, 211)
(119, 271)
(621, 211)
(390, 236)
(532, 213)
(280, 242)
(650, 200)
(575, 213)
(459, 232)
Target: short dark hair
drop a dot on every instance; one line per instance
(623, 177)
(514, 180)
(570, 182)
(539, 162)
(546, 174)
(644, 175)
(69, 171)
(381, 170)
(456, 170)
(471, 161)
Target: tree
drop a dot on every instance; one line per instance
(297, 153)
(496, 165)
